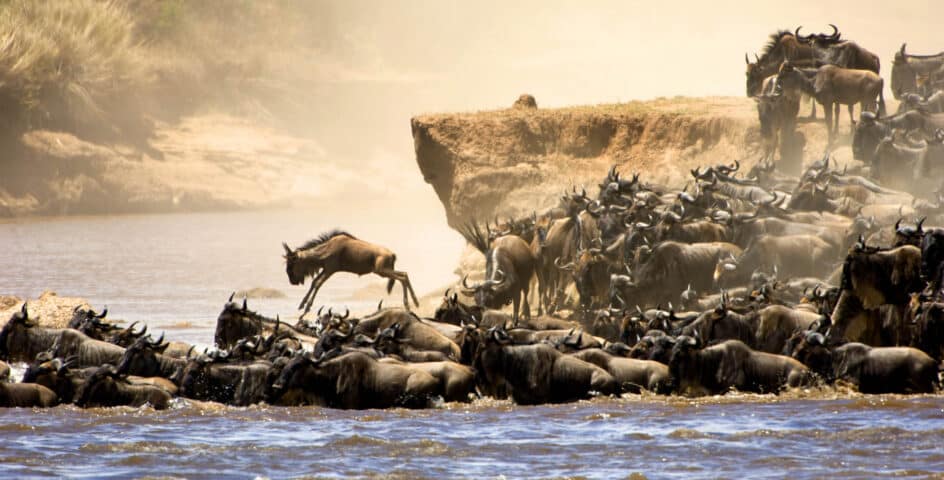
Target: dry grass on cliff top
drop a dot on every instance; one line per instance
(733, 107)
(60, 59)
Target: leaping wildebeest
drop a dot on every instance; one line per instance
(339, 251)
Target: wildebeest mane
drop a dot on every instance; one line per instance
(773, 43)
(324, 237)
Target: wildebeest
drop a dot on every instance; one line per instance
(338, 251)
(236, 322)
(456, 382)
(591, 273)
(732, 364)
(146, 358)
(107, 388)
(872, 129)
(783, 45)
(390, 342)
(932, 259)
(832, 86)
(413, 331)
(906, 68)
(535, 374)
(509, 266)
(354, 381)
(87, 351)
(213, 378)
(26, 395)
(632, 374)
(670, 268)
(22, 339)
(793, 255)
(926, 316)
(885, 369)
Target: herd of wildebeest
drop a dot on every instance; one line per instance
(900, 149)
(751, 281)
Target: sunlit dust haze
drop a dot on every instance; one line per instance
(379, 63)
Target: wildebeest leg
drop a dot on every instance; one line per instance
(525, 305)
(308, 293)
(310, 289)
(828, 112)
(404, 280)
(315, 285)
(813, 113)
(852, 121)
(516, 301)
(836, 107)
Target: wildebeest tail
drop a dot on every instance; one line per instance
(474, 235)
(390, 283)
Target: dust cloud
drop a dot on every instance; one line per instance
(387, 61)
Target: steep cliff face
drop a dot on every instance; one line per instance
(510, 162)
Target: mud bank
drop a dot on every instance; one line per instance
(211, 162)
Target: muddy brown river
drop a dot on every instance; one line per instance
(175, 272)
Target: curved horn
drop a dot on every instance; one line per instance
(745, 59)
(347, 313)
(245, 304)
(835, 34)
(231, 297)
(500, 276)
(568, 266)
(466, 286)
(288, 251)
(104, 312)
(902, 51)
(920, 223)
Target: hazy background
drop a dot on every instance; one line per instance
(388, 61)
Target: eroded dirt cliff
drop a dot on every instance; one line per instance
(513, 161)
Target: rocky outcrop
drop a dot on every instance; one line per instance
(49, 310)
(513, 161)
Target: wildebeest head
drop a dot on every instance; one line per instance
(127, 336)
(470, 340)
(296, 272)
(491, 293)
(294, 374)
(810, 349)
(235, 322)
(820, 39)
(683, 353)
(89, 322)
(141, 357)
(869, 131)
(908, 234)
(726, 269)
(904, 78)
(14, 332)
(451, 310)
(54, 374)
(100, 384)
(811, 197)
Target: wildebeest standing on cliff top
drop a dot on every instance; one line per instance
(338, 251)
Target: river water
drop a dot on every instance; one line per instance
(175, 272)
